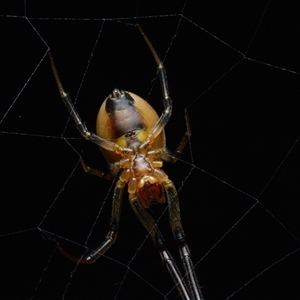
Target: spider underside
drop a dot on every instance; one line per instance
(135, 145)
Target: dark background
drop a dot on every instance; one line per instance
(234, 67)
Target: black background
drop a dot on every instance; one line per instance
(234, 67)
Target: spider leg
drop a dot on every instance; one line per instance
(108, 145)
(159, 242)
(96, 172)
(167, 101)
(111, 235)
(172, 158)
(179, 236)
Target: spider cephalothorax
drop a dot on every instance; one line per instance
(144, 179)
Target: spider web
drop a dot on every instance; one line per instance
(234, 67)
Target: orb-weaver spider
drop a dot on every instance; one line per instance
(131, 137)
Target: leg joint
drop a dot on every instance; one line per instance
(179, 236)
(114, 226)
(159, 241)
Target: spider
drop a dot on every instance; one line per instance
(131, 137)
